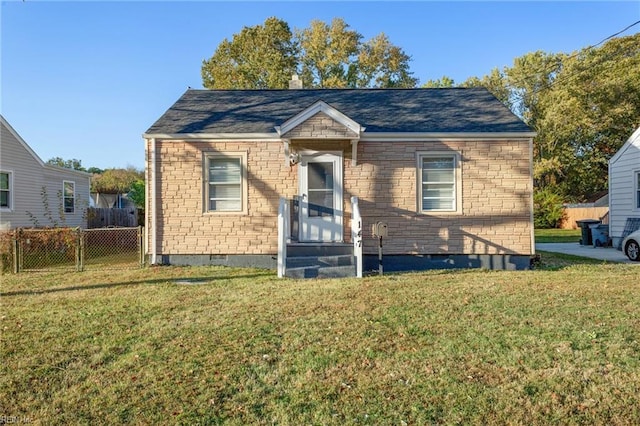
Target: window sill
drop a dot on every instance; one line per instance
(238, 213)
(440, 213)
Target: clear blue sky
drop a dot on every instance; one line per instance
(85, 79)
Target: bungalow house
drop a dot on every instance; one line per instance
(36, 194)
(624, 190)
(300, 178)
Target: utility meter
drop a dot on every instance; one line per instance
(380, 229)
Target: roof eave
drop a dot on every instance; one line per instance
(634, 136)
(403, 136)
(377, 136)
(200, 136)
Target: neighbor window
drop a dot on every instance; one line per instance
(637, 179)
(69, 196)
(5, 190)
(226, 183)
(437, 182)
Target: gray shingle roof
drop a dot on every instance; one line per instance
(455, 110)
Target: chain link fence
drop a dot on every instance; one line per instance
(74, 249)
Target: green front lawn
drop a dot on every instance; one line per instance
(558, 235)
(170, 345)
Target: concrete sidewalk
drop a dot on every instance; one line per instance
(609, 254)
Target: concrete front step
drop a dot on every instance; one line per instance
(321, 272)
(318, 249)
(319, 261)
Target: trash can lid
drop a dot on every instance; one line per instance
(585, 222)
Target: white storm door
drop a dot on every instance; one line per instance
(320, 177)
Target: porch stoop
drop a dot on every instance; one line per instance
(320, 260)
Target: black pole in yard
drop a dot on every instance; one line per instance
(380, 269)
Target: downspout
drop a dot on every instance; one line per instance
(154, 217)
(533, 234)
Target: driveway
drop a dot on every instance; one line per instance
(609, 254)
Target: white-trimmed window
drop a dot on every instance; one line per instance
(637, 181)
(225, 182)
(6, 190)
(438, 182)
(69, 196)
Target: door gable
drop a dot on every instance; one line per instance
(320, 121)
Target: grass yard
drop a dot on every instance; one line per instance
(558, 235)
(178, 345)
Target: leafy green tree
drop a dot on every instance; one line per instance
(583, 107)
(95, 170)
(439, 83)
(496, 83)
(529, 80)
(259, 57)
(324, 55)
(382, 64)
(328, 54)
(592, 108)
(137, 193)
(116, 181)
(73, 164)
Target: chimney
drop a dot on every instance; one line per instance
(295, 82)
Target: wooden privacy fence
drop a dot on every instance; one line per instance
(103, 217)
(571, 214)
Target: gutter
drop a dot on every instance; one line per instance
(364, 136)
(532, 221)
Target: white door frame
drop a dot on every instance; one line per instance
(327, 228)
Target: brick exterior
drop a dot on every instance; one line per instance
(496, 198)
(496, 195)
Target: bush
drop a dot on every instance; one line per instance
(6, 251)
(548, 210)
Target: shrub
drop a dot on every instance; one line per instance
(6, 251)
(548, 210)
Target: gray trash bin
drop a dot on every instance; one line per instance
(600, 235)
(586, 239)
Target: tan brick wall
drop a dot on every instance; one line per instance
(185, 228)
(496, 197)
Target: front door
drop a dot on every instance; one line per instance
(320, 197)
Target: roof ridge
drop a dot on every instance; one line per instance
(340, 89)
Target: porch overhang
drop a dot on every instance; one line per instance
(286, 131)
(290, 158)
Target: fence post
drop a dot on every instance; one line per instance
(141, 245)
(16, 268)
(79, 250)
(20, 249)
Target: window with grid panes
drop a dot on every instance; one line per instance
(437, 182)
(225, 186)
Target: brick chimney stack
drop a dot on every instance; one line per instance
(295, 82)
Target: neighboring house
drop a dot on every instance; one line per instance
(624, 190)
(448, 170)
(36, 194)
(111, 201)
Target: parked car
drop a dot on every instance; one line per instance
(631, 245)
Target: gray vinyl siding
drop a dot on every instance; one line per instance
(30, 178)
(622, 189)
